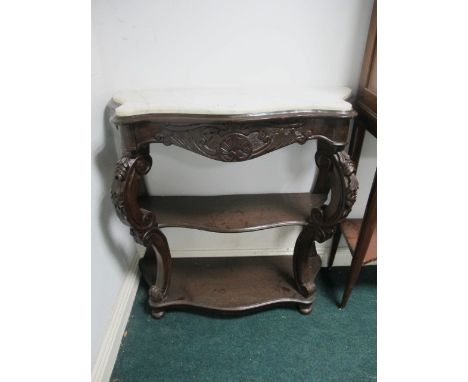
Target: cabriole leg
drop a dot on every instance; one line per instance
(156, 264)
(336, 173)
(306, 262)
(155, 267)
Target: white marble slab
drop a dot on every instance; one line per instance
(231, 101)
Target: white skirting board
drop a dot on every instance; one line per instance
(107, 355)
(342, 257)
(110, 347)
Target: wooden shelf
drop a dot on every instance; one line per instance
(350, 229)
(233, 213)
(228, 283)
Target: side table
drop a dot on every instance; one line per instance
(232, 126)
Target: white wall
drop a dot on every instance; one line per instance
(111, 245)
(183, 43)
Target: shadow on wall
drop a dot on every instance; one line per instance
(180, 172)
(105, 161)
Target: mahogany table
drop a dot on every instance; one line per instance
(231, 127)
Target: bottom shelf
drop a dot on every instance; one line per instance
(230, 284)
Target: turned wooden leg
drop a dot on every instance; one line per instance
(334, 246)
(356, 266)
(306, 262)
(368, 225)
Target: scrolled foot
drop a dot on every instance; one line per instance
(304, 308)
(158, 313)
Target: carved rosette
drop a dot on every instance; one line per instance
(235, 143)
(234, 148)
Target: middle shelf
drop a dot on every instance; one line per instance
(233, 213)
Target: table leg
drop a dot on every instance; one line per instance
(306, 262)
(368, 226)
(156, 264)
(155, 267)
(336, 173)
(334, 246)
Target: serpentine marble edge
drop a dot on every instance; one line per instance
(229, 101)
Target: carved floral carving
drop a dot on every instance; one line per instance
(350, 180)
(234, 143)
(234, 148)
(128, 172)
(344, 194)
(340, 168)
(121, 168)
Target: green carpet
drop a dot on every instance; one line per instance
(274, 345)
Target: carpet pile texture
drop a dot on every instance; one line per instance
(278, 344)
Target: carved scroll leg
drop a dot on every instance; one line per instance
(156, 269)
(344, 186)
(336, 173)
(156, 264)
(306, 262)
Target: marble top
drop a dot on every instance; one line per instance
(231, 101)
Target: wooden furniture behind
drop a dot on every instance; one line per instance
(233, 284)
(361, 234)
